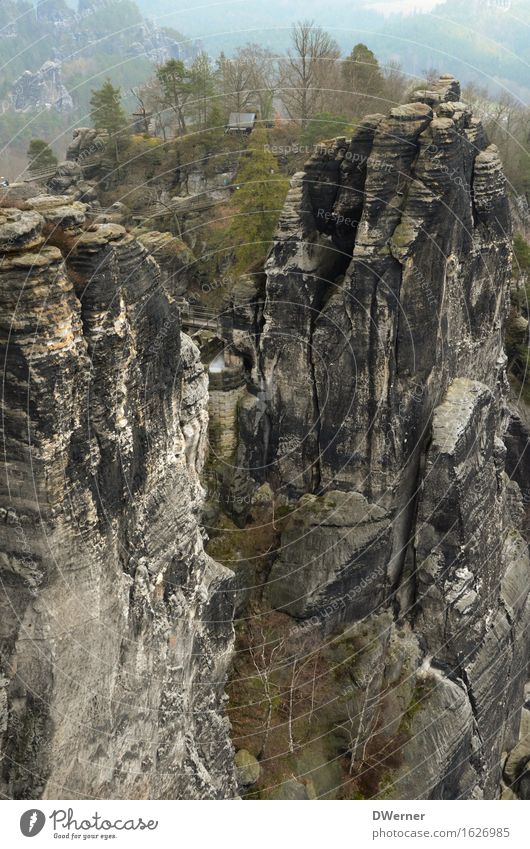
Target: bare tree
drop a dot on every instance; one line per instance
(265, 667)
(264, 77)
(507, 123)
(236, 82)
(143, 111)
(300, 684)
(361, 726)
(304, 71)
(202, 89)
(151, 101)
(431, 74)
(395, 84)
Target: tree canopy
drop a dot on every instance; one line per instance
(257, 203)
(106, 110)
(363, 80)
(176, 88)
(40, 155)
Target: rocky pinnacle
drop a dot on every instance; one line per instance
(116, 630)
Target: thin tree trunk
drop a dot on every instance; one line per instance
(291, 695)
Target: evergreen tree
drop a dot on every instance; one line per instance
(176, 87)
(257, 203)
(40, 155)
(216, 119)
(363, 78)
(106, 110)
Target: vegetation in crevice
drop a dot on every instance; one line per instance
(516, 329)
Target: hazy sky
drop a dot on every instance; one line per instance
(386, 6)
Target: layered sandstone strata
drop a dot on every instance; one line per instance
(378, 416)
(116, 628)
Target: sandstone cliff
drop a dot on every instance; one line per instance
(382, 582)
(116, 629)
(43, 89)
(377, 417)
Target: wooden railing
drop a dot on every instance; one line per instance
(197, 316)
(43, 174)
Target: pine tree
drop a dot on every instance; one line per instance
(106, 110)
(108, 114)
(40, 155)
(257, 203)
(363, 78)
(176, 85)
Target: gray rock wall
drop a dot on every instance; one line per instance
(116, 627)
(380, 419)
(42, 89)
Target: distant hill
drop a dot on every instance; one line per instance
(484, 41)
(480, 41)
(90, 41)
(103, 37)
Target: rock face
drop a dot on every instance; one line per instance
(87, 144)
(144, 39)
(116, 627)
(330, 548)
(384, 585)
(41, 90)
(173, 257)
(379, 413)
(55, 11)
